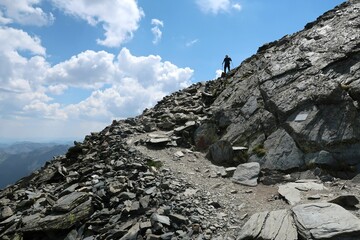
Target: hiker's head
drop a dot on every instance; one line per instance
(226, 56)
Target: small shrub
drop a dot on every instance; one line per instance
(259, 150)
(156, 164)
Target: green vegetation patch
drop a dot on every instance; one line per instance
(259, 150)
(156, 164)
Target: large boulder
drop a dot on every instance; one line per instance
(282, 152)
(221, 153)
(247, 174)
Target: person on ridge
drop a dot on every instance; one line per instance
(226, 63)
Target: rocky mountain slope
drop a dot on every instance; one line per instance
(225, 159)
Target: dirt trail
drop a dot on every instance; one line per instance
(236, 200)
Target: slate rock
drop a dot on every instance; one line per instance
(325, 221)
(253, 226)
(57, 221)
(160, 218)
(292, 191)
(247, 174)
(221, 153)
(5, 212)
(282, 152)
(70, 201)
(279, 225)
(205, 135)
(346, 201)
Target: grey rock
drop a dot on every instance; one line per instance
(205, 135)
(178, 218)
(5, 212)
(279, 225)
(57, 221)
(247, 174)
(292, 191)
(160, 218)
(325, 221)
(322, 158)
(253, 226)
(68, 202)
(346, 201)
(282, 152)
(221, 153)
(132, 233)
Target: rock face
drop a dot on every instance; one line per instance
(300, 90)
(293, 106)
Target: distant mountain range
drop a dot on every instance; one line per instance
(18, 160)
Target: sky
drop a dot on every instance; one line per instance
(71, 67)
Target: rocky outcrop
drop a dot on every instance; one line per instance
(301, 91)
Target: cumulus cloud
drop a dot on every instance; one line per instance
(24, 12)
(32, 90)
(12, 40)
(217, 6)
(156, 30)
(119, 19)
(88, 69)
(17, 71)
(119, 86)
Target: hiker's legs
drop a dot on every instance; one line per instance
(226, 67)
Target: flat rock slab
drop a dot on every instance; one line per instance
(70, 201)
(292, 191)
(275, 225)
(52, 222)
(325, 221)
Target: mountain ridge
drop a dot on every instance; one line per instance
(288, 113)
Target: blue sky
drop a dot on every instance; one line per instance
(68, 68)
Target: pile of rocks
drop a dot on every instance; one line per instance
(102, 189)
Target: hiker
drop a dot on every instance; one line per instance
(226, 63)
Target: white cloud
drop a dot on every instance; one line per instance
(213, 6)
(218, 73)
(156, 30)
(24, 12)
(122, 85)
(88, 69)
(32, 91)
(192, 42)
(47, 111)
(237, 6)
(217, 6)
(58, 89)
(157, 22)
(18, 73)
(4, 20)
(12, 40)
(119, 19)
